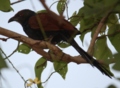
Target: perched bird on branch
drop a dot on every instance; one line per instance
(41, 26)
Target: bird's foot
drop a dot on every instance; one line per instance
(49, 39)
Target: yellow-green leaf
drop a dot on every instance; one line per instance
(24, 48)
(116, 57)
(61, 68)
(114, 36)
(101, 50)
(2, 61)
(61, 6)
(111, 86)
(39, 67)
(5, 5)
(75, 19)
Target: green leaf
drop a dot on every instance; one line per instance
(99, 7)
(111, 86)
(89, 12)
(110, 3)
(118, 79)
(101, 50)
(89, 2)
(39, 67)
(61, 68)
(114, 36)
(87, 24)
(2, 62)
(24, 48)
(63, 44)
(119, 15)
(83, 35)
(5, 5)
(74, 20)
(116, 66)
(61, 6)
(117, 9)
(112, 20)
(81, 12)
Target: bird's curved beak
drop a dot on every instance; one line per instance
(12, 19)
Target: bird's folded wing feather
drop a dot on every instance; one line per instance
(49, 24)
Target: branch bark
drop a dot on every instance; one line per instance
(38, 46)
(95, 36)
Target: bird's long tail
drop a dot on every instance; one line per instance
(91, 60)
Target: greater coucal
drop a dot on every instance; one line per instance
(31, 26)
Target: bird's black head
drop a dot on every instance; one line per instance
(22, 16)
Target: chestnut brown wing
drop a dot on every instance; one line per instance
(49, 24)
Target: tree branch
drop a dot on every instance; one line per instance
(16, 2)
(38, 46)
(100, 25)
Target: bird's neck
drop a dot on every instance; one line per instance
(25, 21)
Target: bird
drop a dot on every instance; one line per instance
(28, 19)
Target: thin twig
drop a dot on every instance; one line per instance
(16, 2)
(12, 63)
(118, 31)
(4, 39)
(49, 77)
(13, 51)
(54, 72)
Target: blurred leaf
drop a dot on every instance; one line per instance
(98, 8)
(2, 62)
(111, 86)
(61, 68)
(110, 3)
(114, 37)
(82, 36)
(81, 12)
(118, 79)
(5, 5)
(101, 50)
(112, 20)
(39, 67)
(74, 20)
(63, 44)
(85, 27)
(89, 2)
(119, 15)
(87, 24)
(116, 66)
(61, 6)
(24, 48)
(90, 12)
(117, 9)
(103, 29)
